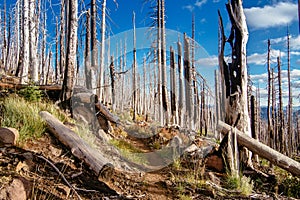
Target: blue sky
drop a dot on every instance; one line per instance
(266, 19)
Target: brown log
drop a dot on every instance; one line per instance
(78, 147)
(21, 86)
(263, 150)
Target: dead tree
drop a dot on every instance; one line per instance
(181, 84)
(102, 50)
(173, 87)
(269, 112)
(165, 100)
(88, 72)
(134, 88)
(70, 70)
(112, 79)
(290, 102)
(281, 133)
(94, 46)
(24, 74)
(234, 75)
(187, 81)
(57, 69)
(33, 24)
(62, 40)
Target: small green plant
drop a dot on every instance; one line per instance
(185, 197)
(177, 164)
(290, 186)
(31, 93)
(240, 183)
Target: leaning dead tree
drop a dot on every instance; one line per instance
(234, 73)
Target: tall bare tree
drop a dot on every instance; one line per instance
(181, 84)
(70, 70)
(290, 101)
(102, 50)
(234, 74)
(94, 46)
(25, 66)
(281, 133)
(62, 40)
(88, 72)
(134, 75)
(33, 25)
(165, 100)
(187, 81)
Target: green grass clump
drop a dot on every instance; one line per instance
(241, 183)
(31, 93)
(16, 112)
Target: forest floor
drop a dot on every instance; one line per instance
(46, 169)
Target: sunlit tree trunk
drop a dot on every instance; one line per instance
(134, 75)
(62, 40)
(290, 131)
(94, 47)
(281, 133)
(165, 100)
(70, 70)
(187, 80)
(181, 84)
(102, 51)
(234, 75)
(57, 68)
(24, 74)
(33, 22)
(173, 87)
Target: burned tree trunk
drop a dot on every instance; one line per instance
(281, 133)
(69, 74)
(234, 74)
(88, 72)
(173, 86)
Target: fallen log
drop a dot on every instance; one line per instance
(263, 150)
(22, 86)
(106, 113)
(78, 146)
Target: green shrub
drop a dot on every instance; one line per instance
(241, 183)
(31, 93)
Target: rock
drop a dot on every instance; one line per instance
(9, 136)
(16, 190)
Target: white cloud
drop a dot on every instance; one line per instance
(279, 14)
(200, 3)
(256, 58)
(203, 20)
(210, 61)
(294, 41)
(261, 59)
(189, 7)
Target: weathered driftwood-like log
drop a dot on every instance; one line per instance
(78, 146)
(263, 150)
(106, 113)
